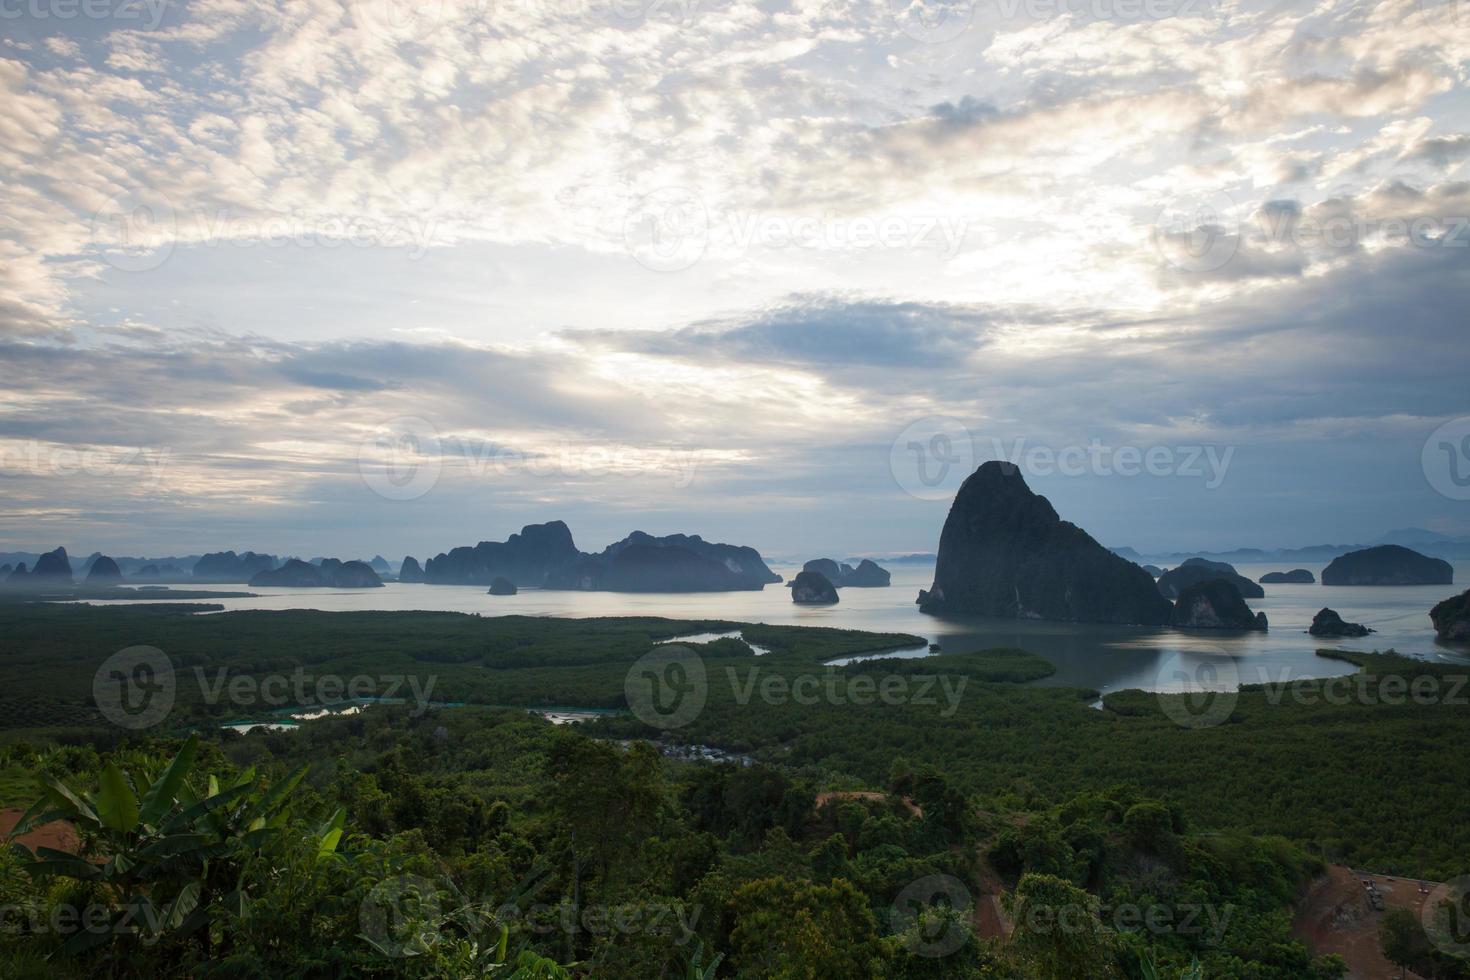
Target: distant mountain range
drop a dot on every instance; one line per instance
(1424, 541)
(182, 567)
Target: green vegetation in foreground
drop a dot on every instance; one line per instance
(501, 820)
(472, 842)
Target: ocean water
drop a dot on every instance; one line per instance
(1104, 658)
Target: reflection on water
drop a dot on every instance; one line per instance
(755, 648)
(1104, 658)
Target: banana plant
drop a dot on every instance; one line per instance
(163, 853)
(465, 940)
(1151, 970)
(699, 970)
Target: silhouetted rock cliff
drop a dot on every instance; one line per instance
(331, 574)
(226, 566)
(1451, 618)
(645, 567)
(744, 562)
(1327, 622)
(104, 571)
(867, 575)
(53, 566)
(1005, 552)
(525, 558)
(812, 588)
(1297, 576)
(1215, 605)
(502, 586)
(1173, 582)
(1388, 564)
(410, 570)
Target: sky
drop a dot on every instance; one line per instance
(343, 278)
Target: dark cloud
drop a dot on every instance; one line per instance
(820, 332)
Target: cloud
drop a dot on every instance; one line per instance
(136, 156)
(817, 331)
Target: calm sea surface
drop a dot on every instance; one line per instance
(1101, 657)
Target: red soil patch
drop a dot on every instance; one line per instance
(1335, 916)
(58, 835)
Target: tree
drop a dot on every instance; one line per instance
(795, 929)
(1402, 938)
(1058, 930)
